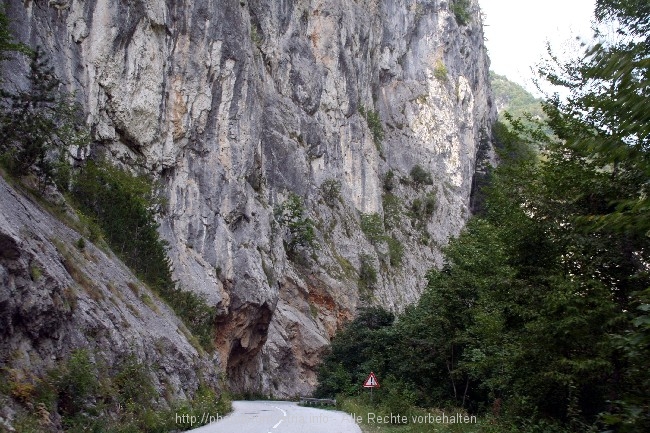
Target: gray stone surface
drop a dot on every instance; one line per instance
(235, 104)
(56, 298)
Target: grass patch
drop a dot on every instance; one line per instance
(440, 72)
(69, 262)
(35, 272)
(347, 267)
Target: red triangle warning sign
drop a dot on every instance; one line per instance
(371, 381)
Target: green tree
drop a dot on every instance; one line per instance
(40, 124)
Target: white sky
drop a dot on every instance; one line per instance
(517, 32)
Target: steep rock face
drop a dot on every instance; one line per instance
(235, 104)
(56, 298)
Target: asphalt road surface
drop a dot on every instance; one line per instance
(279, 417)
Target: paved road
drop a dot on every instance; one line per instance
(280, 417)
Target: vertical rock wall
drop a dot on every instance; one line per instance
(236, 104)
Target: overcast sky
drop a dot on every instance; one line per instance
(517, 31)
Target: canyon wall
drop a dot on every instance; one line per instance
(235, 105)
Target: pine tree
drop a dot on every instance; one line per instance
(39, 125)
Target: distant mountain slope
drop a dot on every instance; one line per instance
(513, 98)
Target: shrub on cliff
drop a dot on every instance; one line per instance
(300, 232)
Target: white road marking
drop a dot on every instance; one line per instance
(281, 410)
(279, 422)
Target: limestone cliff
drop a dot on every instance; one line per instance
(56, 298)
(236, 104)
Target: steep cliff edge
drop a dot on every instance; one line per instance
(236, 104)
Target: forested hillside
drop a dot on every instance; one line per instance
(513, 98)
(540, 319)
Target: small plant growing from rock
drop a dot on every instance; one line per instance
(367, 273)
(373, 227)
(461, 11)
(300, 228)
(420, 176)
(389, 181)
(374, 124)
(440, 71)
(395, 251)
(331, 192)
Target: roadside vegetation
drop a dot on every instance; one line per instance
(539, 321)
(83, 394)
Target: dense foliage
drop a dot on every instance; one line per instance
(540, 315)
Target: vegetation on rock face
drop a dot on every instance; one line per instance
(461, 10)
(539, 319)
(372, 226)
(420, 176)
(374, 123)
(83, 390)
(301, 234)
(367, 274)
(331, 192)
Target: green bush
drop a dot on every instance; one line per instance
(389, 181)
(367, 273)
(393, 211)
(331, 192)
(423, 208)
(395, 251)
(300, 228)
(89, 396)
(373, 227)
(420, 176)
(76, 383)
(461, 11)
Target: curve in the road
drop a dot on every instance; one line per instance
(279, 417)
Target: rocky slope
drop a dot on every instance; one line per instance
(56, 298)
(236, 104)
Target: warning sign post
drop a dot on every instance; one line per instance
(371, 382)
